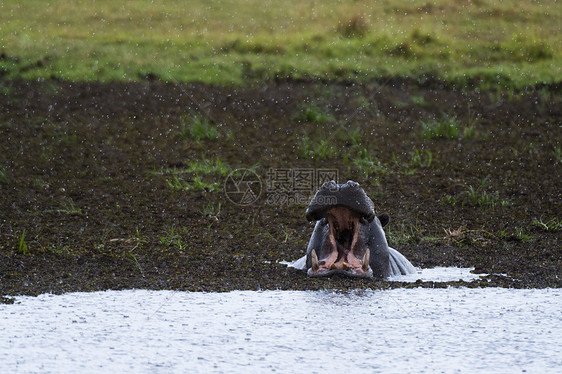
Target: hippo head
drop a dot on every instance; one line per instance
(345, 213)
(348, 195)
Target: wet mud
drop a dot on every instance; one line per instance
(99, 186)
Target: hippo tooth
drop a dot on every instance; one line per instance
(314, 258)
(366, 258)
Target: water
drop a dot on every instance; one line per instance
(454, 330)
(439, 274)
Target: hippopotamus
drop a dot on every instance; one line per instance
(348, 236)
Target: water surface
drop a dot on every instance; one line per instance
(394, 331)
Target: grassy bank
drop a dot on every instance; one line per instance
(483, 42)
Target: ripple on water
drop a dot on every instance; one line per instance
(400, 330)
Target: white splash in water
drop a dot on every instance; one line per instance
(398, 261)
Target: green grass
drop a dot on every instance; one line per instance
(22, 245)
(553, 224)
(3, 175)
(206, 166)
(196, 184)
(350, 136)
(320, 150)
(522, 236)
(67, 206)
(446, 128)
(197, 128)
(354, 27)
(558, 154)
(486, 42)
(401, 234)
(212, 211)
(420, 159)
(367, 165)
(313, 113)
(478, 196)
(195, 175)
(173, 238)
(418, 100)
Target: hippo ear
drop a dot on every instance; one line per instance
(384, 218)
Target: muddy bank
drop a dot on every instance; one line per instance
(108, 186)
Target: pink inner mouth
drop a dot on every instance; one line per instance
(346, 255)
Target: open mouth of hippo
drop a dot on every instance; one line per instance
(342, 253)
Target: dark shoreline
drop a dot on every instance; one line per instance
(85, 206)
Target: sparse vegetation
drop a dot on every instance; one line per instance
(448, 127)
(320, 150)
(558, 154)
(479, 196)
(206, 166)
(521, 235)
(5, 90)
(174, 238)
(421, 159)
(22, 245)
(40, 183)
(351, 136)
(313, 113)
(404, 234)
(197, 128)
(418, 100)
(138, 240)
(66, 205)
(553, 224)
(189, 178)
(218, 245)
(196, 184)
(212, 211)
(367, 165)
(66, 139)
(3, 175)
